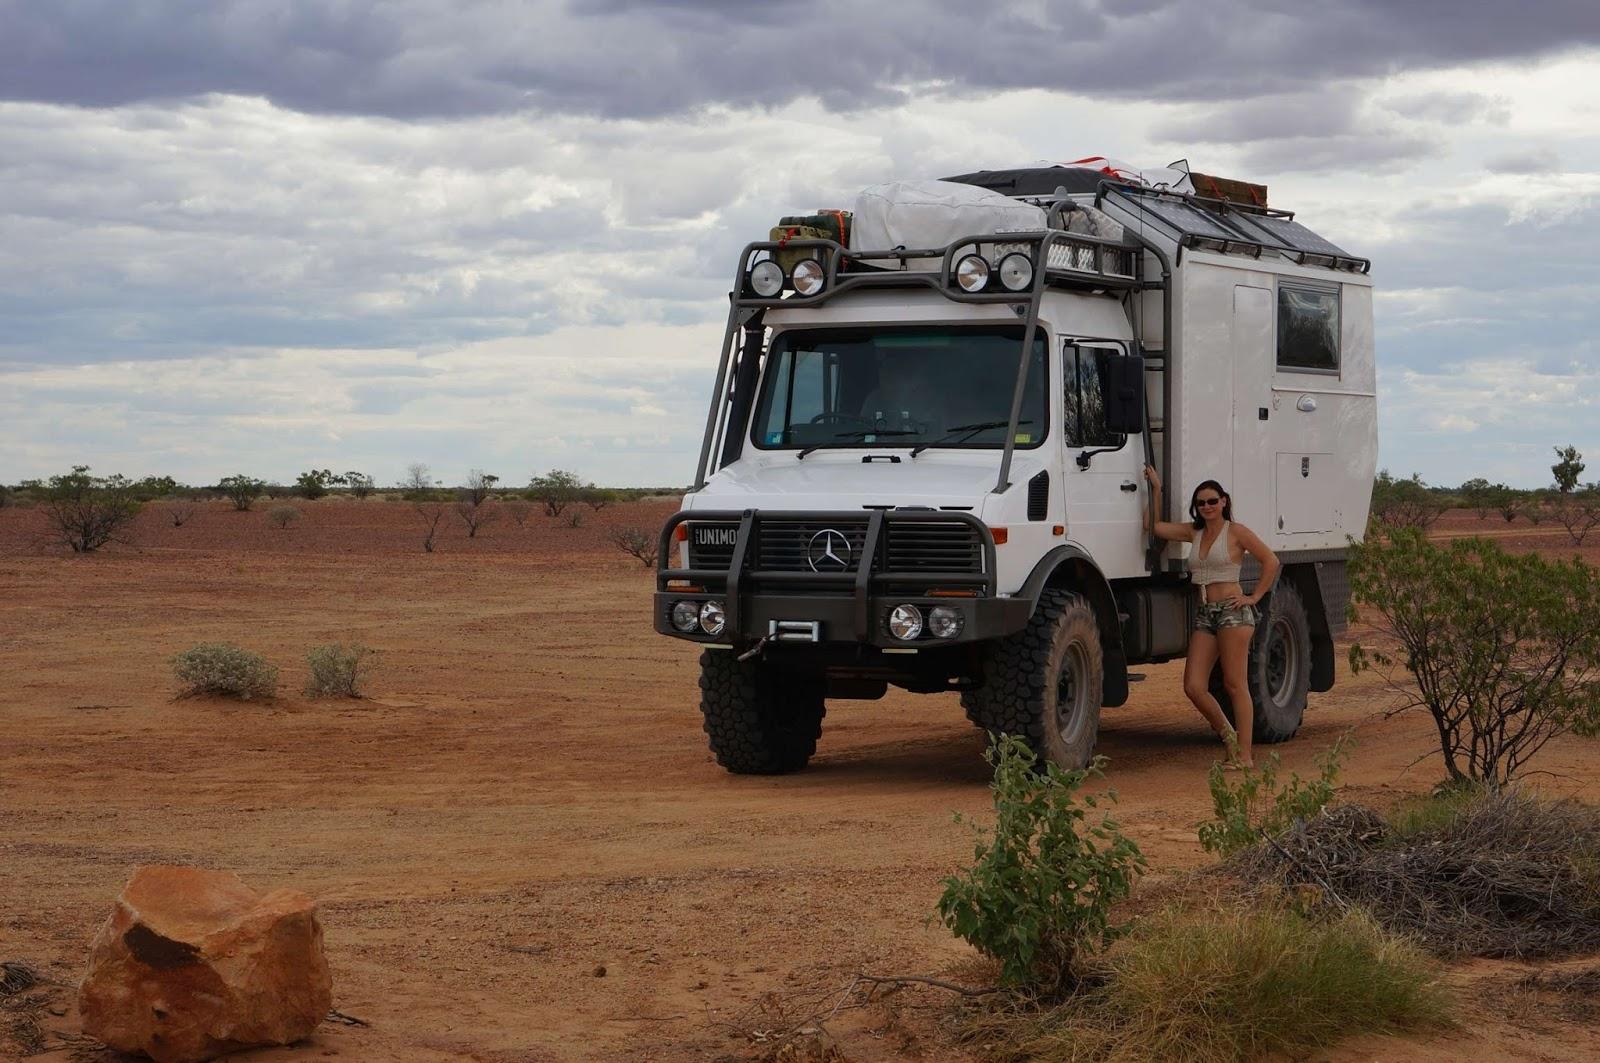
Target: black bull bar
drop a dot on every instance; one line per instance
(839, 602)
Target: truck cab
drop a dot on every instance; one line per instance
(923, 467)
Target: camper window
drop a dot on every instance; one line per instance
(1083, 401)
(1308, 329)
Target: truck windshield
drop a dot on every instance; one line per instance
(919, 386)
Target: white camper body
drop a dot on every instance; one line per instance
(841, 539)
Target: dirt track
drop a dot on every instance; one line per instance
(527, 797)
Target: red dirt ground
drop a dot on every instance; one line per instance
(527, 797)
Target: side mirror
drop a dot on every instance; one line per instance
(1124, 384)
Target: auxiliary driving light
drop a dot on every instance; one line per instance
(945, 622)
(972, 273)
(685, 615)
(905, 622)
(766, 278)
(712, 618)
(807, 276)
(1016, 272)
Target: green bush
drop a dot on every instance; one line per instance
(1201, 986)
(1042, 884)
(338, 670)
(1408, 503)
(1500, 649)
(281, 517)
(87, 512)
(241, 490)
(225, 670)
(557, 489)
(1250, 804)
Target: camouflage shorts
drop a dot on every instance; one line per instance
(1213, 615)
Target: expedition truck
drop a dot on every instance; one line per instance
(922, 466)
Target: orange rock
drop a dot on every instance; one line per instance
(193, 964)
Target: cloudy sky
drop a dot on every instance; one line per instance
(268, 235)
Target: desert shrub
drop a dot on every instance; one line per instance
(418, 484)
(518, 510)
(1478, 495)
(572, 518)
(361, 485)
(1568, 467)
(226, 670)
(315, 483)
(1250, 804)
(1232, 985)
(281, 517)
(1502, 649)
(1486, 873)
(242, 490)
(556, 490)
(473, 501)
(639, 543)
(338, 670)
(1039, 893)
(87, 512)
(431, 514)
(180, 513)
(1508, 501)
(1578, 511)
(598, 498)
(1405, 503)
(151, 488)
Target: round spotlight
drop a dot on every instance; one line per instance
(712, 618)
(905, 622)
(766, 278)
(807, 276)
(685, 615)
(945, 622)
(972, 273)
(1016, 272)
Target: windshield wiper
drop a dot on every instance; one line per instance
(861, 433)
(965, 431)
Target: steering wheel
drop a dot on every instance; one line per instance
(839, 417)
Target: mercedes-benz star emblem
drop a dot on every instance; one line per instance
(828, 551)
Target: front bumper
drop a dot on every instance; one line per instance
(843, 607)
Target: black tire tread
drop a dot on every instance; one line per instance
(758, 723)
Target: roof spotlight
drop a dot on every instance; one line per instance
(1016, 272)
(972, 273)
(766, 278)
(808, 276)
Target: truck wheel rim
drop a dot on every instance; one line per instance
(1071, 692)
(1282, 661)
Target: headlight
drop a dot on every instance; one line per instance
(1016, 272)
(905, 622)
(972, 273)
(766, 278)
(685, 615)
(807, 276)
(712, 618)
(945, 622)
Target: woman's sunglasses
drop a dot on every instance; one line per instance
(1207, 501)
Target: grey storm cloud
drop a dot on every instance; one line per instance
(631, 58)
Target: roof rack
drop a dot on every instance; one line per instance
(1210, 224)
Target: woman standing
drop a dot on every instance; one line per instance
(1226, 619)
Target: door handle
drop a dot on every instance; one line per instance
(1130, 487)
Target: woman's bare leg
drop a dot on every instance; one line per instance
(1197, 681)
(1234, 643)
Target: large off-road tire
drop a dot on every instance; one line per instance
(1279, 669)
(1045, 682)
(760, 721)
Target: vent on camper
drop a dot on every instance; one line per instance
(1039, 496)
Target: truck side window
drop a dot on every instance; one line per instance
(1083, 403)
(1308, 328)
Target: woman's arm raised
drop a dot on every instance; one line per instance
(1164, 529)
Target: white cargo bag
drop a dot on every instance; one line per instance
(934, 214)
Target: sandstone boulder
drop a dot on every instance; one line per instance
(193, 964)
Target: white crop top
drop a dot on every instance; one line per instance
(1214, 566)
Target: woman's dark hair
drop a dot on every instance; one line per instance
(1194, 510)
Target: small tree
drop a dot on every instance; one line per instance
(519, 510)
(598, 498)
(556, 489)
(1404, 503)
(1579, 512)
(472, 503)
(1568, 467)
(153, 487)
(418, 483)
(315, 483)
(431, 513)
(87, 512)
(1478, 494)
(337, 670)
(180, 513)
(1041, 887)
(1502, 648)
(1507, 501)
(281, 517)
(242, 490)
(639, 543)
(361, 485)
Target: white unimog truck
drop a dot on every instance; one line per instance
(922, 466)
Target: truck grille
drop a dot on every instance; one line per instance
(711, 545)
(785, 545)
(933, 547)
